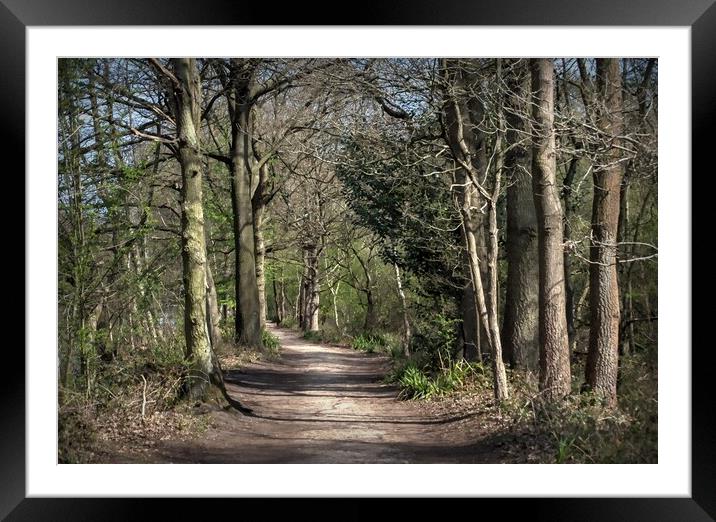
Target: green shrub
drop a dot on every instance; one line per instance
(435, 341)
(396, 371)
(332, 335)
(369, 343)
(416, 383)
(312, 335)
(396, 350)
(289, 322)
(168, 354)
(271, 342)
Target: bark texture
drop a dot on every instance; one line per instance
(248, 317)
(310, 289)
(407, 331)
(258, 207)
(188, 110)
(212, 310)
(521, 324)
(602, 359)
(555, 373)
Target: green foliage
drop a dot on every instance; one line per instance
(312, 335)
(369, 343)
(132, 172)
(435, 340)
(565, 448)
(457, 375)
(397, 203)
(289, 322)
(271, 342)
(322, 336)
(168, 354)
(416, 383)
(332, 335)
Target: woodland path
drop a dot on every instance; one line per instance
(320, 403)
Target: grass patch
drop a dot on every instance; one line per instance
(417, 383)
(369, 343)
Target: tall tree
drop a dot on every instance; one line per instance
(187, 100)
(407, 331)
(602, 359)
(521, 325)
(555, 372)
(242, 95)
(465, 134)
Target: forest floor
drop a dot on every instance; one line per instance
(320, 403)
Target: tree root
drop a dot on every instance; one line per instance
(217, 379)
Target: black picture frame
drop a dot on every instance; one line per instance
(700, 15)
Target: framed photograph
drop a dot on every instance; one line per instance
(675, 40)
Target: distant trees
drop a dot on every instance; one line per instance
(512, 202)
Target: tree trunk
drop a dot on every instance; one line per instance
(626, 334)
(569, 208)
(555, 372)
(470, 325)
(198, 346)
(334, 292)
(474, 266)
(279, 315)
(602, 359)
(282, 299)
(248, 317)
(498, 365)
(521, 324)
(212, 310)
(311, 295)
(260, 266)
(463, 116)
(407, 332)
(300, 300)
(258, 208)
(370, 321)
(470, 227)
(369, 324)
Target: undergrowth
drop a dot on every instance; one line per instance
(418, 383)
(135, 401)
(327, 335)
(376, 343)
(271, 343)
(579, 429)
(131, 400)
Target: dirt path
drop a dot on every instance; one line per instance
(327, 404)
